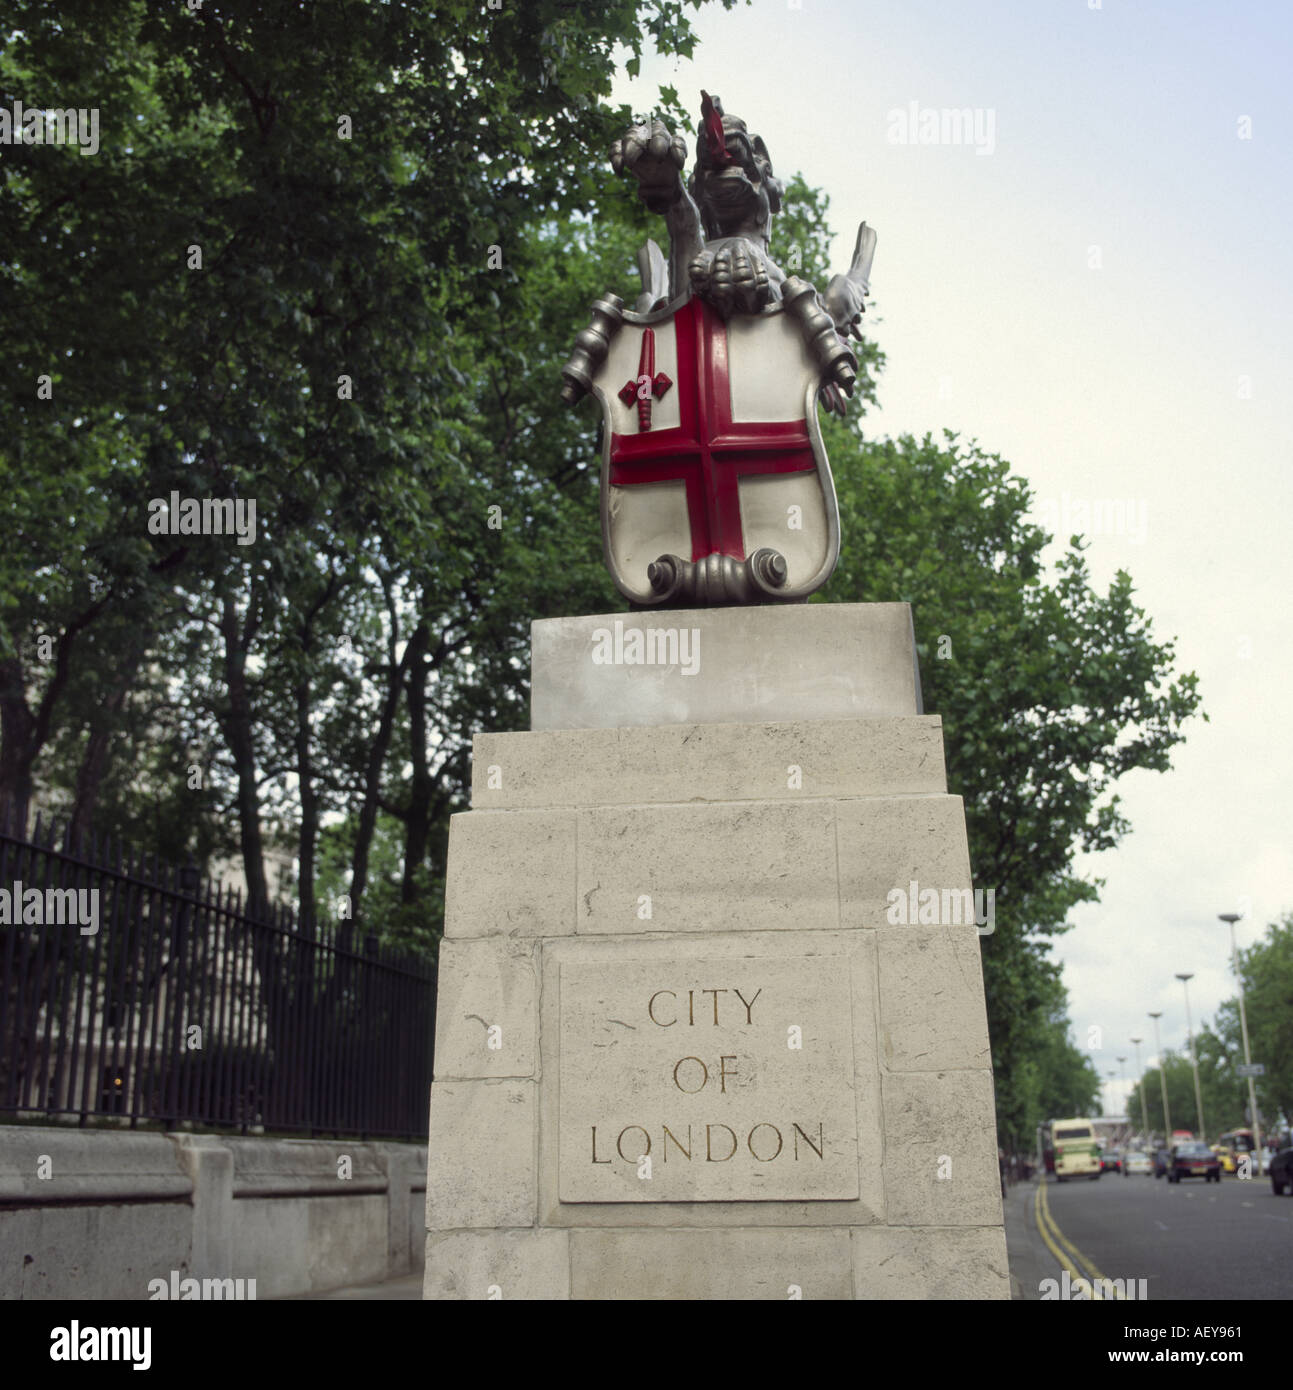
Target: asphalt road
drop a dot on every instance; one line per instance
(1190, 1240)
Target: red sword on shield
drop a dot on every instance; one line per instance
(647, 383)
(707, 450)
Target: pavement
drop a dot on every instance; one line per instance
(407, 1288)
(1029, 1260)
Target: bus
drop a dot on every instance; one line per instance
(1233, 1145)
(1076, 1149)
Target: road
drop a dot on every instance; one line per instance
(1190, 1240)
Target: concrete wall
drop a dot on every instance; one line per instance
(88, 1214)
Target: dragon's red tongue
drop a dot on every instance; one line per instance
(714, 136)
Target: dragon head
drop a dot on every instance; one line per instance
(733, 183)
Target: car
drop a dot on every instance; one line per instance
(1162, 1162)
(1227, 1158)
(1194, 1160)
(1281, 1168)
(1137, 1162)
(1111, 1161)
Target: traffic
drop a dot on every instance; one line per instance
(1076, 1148)
(1213, 1229)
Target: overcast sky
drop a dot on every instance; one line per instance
(1102, 296)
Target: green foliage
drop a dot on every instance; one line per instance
(1267, 972)
(349, 176)
(1223, 1093)
(1048, 692)
(1050, 1075)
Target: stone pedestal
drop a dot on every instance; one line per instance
(703, 1030)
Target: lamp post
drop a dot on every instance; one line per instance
(1231, 918)
(1140, 1086)
(1122, 1081)
(1185, 978)
(1162, 1076)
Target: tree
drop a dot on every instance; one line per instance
(266, 287)
(1267, 970)
(1058, 1078)
(1048, 692)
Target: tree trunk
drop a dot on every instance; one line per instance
(237, 721)
(417, 824)
(94, 762)
(414, 652)
(17, 724)
(309, 805)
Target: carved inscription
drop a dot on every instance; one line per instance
(716, 1080)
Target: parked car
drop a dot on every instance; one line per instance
(1282, 1172)
(1194, 1160)
(1162, 1162)
(1137, 1162)
(1111, 1161)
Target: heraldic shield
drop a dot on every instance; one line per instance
(715, 486)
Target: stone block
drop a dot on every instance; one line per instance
(481, 1154)
(932, 1013)
(510, 872)
(505, 1265)
(755, 866)
(889, 843)
(486, 1008)
(940, 1163)
(709, 762)
(746, 952)
(926, 1264)
(91, 1252)
(306, 1167)
(709, 1264)
(83, 1168)
(713, 1080)
(724, 666)
(210, 1165)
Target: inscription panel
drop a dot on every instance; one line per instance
(707, 1081)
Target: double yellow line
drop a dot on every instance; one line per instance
(1078, 1265)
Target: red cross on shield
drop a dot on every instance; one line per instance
(731, 460)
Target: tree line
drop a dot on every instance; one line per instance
(1266, 971)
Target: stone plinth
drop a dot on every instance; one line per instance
(724, 666)
(703, 1029)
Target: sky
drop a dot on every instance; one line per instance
(1094, 284)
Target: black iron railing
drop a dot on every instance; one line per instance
(134, 989)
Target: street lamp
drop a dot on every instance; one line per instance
(1185, 979)
(1122, 1081)
(1162, 1076)
(1231, 918)
(1140, 1086)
